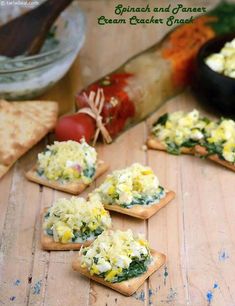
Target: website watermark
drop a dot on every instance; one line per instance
(19, 2)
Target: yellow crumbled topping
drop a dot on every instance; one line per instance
(223, 133)
(114, 251)
(128, 185)
(76, 220)
(68, 161)
(180, 127)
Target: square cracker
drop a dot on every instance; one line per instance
(202, 151)
(49, 244)
(142, 211)
(73, 188)
(155, 144)
(129, 286)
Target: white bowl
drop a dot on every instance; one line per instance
(26, 77)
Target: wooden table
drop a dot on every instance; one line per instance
(195, 231)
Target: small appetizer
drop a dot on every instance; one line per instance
(119, 260)
(133, 191)
(177, 132)
(219, 143)
(69, 166)
(71, 223)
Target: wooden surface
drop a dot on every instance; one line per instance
(195, 231)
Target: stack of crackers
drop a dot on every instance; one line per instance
(22, 125)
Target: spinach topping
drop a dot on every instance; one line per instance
(40, 172)
(47, 214)
(161, 120)
(145, 199)
(190, 143)
(95, 259)
(85, 233)
(135, 269)
(49, 232)
(173, 148)
(89, 172)
(214, 148)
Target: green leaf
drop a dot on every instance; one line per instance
(49, 231)
(189, 143)
(89, 172)
(161, 120)
(173, 148)
(135, 269)
(214, 148)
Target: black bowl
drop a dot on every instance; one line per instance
(212, 88)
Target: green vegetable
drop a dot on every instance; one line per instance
(49, 232)
(98, 231)
(95, 259)
(189, 143)
(135, 269)
(214, 148)
(47, 214)
(173, 148)
(161, 120)
(86, 233)
(40, 172)
(89, 172)
(145, 199)
(225, 12)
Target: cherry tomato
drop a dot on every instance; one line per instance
(75, 127)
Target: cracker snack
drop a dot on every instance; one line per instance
(68, 166)
(22, 125)
(119, 260)
(190, 133)
(72, 223)
(134, 191)
(219, 143)
(177, 132)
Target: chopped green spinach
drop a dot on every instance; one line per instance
(49, 232)
(190, 143)
(161, 120)
(173, 148)
(135, 269)
(214, 148)
(89, 172)
(40, 172)
(145, 199)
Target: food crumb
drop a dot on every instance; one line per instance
(144, 148)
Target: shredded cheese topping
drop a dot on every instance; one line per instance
(76, 220)
(133, 185)
(113, 253)
(68, 161)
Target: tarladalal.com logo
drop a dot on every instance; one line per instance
(19, 2)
